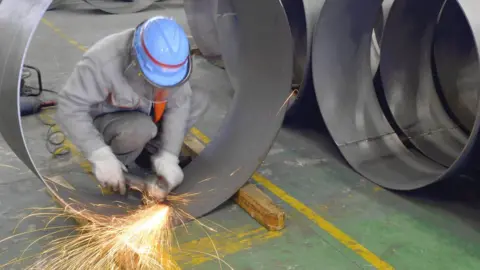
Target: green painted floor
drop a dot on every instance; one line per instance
(358, 225)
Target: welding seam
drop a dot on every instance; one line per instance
(336, 233)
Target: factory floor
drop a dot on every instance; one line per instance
(335, 218)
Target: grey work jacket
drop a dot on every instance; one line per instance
(104, 82)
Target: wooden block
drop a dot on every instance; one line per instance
(192, 146)
(260, 207)
(256, 203)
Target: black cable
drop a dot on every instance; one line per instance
(55, 139)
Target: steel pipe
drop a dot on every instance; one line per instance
(353, 113)
(222, 32)
(408, 83)
(456, 63)
(234, 154)
(302, 15)
(349, 104)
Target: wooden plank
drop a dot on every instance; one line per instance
(250, 198)
(260, 207)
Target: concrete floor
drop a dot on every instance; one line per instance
(336, 219)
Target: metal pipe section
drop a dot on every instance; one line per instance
(265, 74)
(456, 63)
(216, 37)
(408, 83)
(348, 102)
(367, 124)
(120, 7)
(302, 16)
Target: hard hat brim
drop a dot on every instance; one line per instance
(163, 76)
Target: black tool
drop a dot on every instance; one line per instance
(151, 186)
(31, 105)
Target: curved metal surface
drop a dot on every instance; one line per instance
(349, 104)
(201, 21)
(265, 75)
(227, 30)
(377, 35)
(242, 142)
(120, 7)
(55, 4)
(408, 83)
(302, 16)
(217, 38)
(456, 64)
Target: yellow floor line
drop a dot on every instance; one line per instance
(312, 215)
(342, 237)
(225, 243)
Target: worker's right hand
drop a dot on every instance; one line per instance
(108, 169)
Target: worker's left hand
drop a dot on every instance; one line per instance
(166, 165)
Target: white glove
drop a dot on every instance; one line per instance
(166, 165)
(108, 169)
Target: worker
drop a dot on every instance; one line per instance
(128, 98)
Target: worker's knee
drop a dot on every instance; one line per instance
(199, 105)
(134, 135)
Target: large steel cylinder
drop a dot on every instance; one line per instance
(264, 78)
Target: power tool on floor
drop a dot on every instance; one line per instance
(32, 105)
(29, 101)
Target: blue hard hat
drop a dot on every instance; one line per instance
(162, 51)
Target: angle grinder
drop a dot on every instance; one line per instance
(152, 186)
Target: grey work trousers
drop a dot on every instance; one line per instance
(129, 132)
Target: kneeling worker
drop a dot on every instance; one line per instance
(130, 98)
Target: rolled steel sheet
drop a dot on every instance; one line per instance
(456, 63)
(352, 111)
(232, 156)
(201, 21)
(408, 84)
(348, 102)
(119, 6)
(302, 16)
